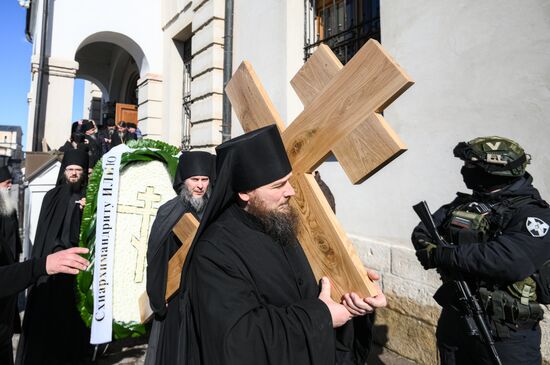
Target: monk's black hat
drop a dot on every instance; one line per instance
(75, 126)
(75, 157)
(5, 174)
(86, 126)
(131, 125)
(194, 163)
(255, 159)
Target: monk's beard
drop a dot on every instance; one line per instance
(77, 186)
(7, 205)
(280, 225)
(197, 202)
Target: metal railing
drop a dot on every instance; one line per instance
(186, 107)
(343, 25)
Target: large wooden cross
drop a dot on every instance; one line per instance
(342, 107)
(341, 114)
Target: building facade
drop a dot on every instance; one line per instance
(480, 69)
(10, 143)
(11, 149)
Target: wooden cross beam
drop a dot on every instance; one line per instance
(367, 148)
(342, 102)
(185, 230)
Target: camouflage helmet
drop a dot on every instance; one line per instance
(496, 155)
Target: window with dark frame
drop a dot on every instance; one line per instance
(186, 100)
(343, 25)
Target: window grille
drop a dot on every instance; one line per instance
(186, 101)
(343, 25)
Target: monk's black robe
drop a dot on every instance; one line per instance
(18, 276)
(10, 248)
(247, 299)
(95, 150)
(53, 331)
(163, 244)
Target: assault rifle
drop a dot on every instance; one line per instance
(472, 311)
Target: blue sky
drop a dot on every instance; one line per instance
(15, 66)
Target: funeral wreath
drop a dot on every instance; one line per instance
(140, 151)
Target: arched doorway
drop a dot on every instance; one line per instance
(114, 70)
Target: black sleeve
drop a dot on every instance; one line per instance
(241, 328)
(16, 277)
(354, 340)
(510, 257)
(157, 270)
(420, 231)
(115, 140)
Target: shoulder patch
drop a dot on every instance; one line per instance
(536, 226)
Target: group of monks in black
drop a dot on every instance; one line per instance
(247, 289)
(97, 140)
(52, 331)
(247, 293)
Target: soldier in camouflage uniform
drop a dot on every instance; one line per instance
(501, 247)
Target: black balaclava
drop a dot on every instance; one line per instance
(477, 179)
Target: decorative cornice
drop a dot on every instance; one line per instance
(149, 78)
(57, 67)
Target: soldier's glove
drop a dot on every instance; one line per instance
(426, 254)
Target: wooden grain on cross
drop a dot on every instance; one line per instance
(254, 105)
(185, 230)
(368, 147)
(366, 85)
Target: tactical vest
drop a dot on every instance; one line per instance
(480, 222)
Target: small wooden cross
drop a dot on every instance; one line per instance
(147, 212)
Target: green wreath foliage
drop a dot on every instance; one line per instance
(142, 150)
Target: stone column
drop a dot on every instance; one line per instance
(207, 73)
(150, 105)
(57, 99)
(92, 102)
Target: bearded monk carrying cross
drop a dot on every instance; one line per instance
(248, 294)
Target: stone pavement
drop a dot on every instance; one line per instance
(382, 356)
(127, 352)
(135, 355)
(132, 352)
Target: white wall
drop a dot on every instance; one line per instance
(480, 69)
(133, 25)
(76, 20)
(274, 47)
(36, 191)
